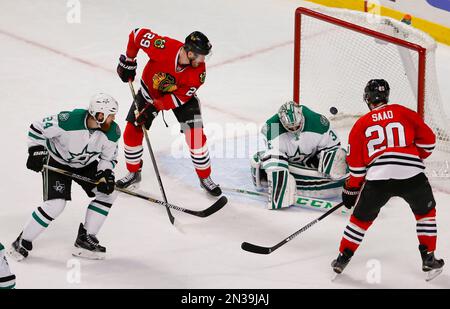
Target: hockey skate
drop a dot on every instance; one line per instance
(432, 266)
(341, 262)
(130, 181)
(210, 187)
(20, 248)
(87, 246)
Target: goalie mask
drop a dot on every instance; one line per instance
(102, 103)
(376, 91)
(291, 116)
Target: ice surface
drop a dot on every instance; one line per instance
(49, 65)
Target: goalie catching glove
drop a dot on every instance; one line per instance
(332, 163)
(106, 181)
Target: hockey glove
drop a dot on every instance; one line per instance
(146, 115)
(349, 197)
(37, 156)
(126, 68)
(106, 181)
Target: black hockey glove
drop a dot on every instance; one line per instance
(349, 197)
(37, 156)
(146, 115)
(126, 69)
(106, 178)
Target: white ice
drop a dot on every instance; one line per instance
(49, 65)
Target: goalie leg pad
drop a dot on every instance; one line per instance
(333, 163)
(282, 189)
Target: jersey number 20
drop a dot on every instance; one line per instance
(386, 137)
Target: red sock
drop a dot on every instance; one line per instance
(132, 138)
(427, 229)
(354, 233)
(196, 141)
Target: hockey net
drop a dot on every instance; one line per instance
(338, 51)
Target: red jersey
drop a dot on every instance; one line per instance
(163, 53)
(389, 142)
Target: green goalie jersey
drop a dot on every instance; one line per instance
(285, 147)
(70, 142)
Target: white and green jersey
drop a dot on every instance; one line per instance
(70, 142)
(284, 147)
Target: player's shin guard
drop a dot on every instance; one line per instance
(97, 211)
(132, 138)
(427, 230)
(42, 217)
(281, 189)
(196, 141)
(354, 234)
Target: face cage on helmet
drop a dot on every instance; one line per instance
(292, 127)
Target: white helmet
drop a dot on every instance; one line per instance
(291, 116)
(102, 103)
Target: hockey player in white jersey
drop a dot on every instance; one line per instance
(303, 157)
(83, 142)
(7, 279)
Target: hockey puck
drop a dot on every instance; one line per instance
(333, 110)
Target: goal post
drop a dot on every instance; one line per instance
(337, 51)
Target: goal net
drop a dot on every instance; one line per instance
(338, 51)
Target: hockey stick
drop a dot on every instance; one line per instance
(155, 167)
(198, 213)
(267, 250)
(300, 200)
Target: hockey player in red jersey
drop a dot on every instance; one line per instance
(385, 155)
(170, 80)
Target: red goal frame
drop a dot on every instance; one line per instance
(299, 12)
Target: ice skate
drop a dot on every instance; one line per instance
(210, 187)
(341, 262)
(87, 246)
(432, 266)
(130, 181)
(20, 248)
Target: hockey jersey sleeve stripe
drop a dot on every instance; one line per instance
(35, 136)
(398, 163)
(38, 132)
(331, 147)
(270, 157)
(175, 100)
(144, 91)
(429, 146)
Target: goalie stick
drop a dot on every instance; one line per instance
(216, 206)
(300, 200)
(267, 250)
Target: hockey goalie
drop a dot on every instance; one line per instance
(303, 156)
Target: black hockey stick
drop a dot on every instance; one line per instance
(267, 250)
(198, 213)
(149, 146)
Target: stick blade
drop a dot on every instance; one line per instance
(218, 205)
(255, 248)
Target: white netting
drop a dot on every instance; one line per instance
(336, 63)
